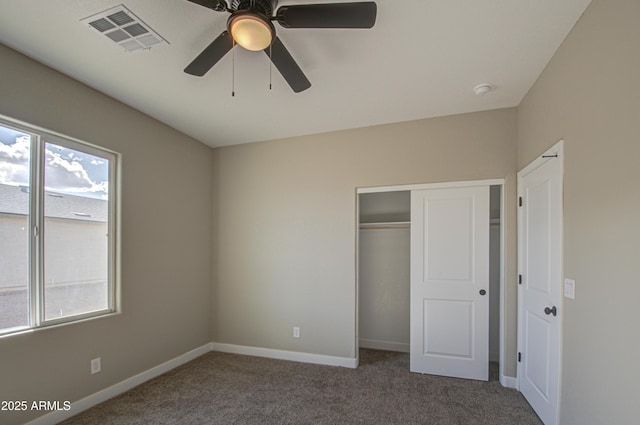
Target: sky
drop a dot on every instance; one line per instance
(67, 171)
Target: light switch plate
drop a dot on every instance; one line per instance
(95, 366)
(570, 288)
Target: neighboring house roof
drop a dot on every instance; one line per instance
(15, 200)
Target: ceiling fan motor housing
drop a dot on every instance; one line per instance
(265, 7)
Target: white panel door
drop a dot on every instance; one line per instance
(450, 282)
(540, 268)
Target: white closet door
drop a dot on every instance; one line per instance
(450, 282)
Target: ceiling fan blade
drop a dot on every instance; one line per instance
(287, 66)
(330, 15)
(210, 55)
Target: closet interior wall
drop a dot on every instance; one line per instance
(384, 253)
(494, 272)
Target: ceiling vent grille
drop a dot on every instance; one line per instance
(124, 28)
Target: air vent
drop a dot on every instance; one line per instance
(124, 28)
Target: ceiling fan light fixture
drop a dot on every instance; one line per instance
(251, 30)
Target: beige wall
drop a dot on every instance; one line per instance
(286, 222)
(14, 250)
(589, 95)
(82, 241)
(166, 244)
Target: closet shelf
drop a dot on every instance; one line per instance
(386, 225)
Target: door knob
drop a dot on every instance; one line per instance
(483, 292)
(551, 310)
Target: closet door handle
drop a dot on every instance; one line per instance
(483, 292)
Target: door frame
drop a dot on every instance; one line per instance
(505, 381)
(555, 152)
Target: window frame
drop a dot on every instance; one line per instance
(36, 222)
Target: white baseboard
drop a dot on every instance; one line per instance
(295, 356)
(119, 388)
(384, 345)
(509, 381)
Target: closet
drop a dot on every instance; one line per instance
(384, 270)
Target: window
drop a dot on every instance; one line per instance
(57, 229)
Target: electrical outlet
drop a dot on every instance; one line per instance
(95, 366)
(296, 332)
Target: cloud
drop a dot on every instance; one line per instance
(14, 162)
(62, 174)
(67, 174)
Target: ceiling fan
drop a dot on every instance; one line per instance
(250, 25)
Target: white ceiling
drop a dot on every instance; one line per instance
(421, 59)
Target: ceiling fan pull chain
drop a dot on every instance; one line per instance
(233, 68)
(270, 65)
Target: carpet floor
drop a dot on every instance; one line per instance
(220, 388)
